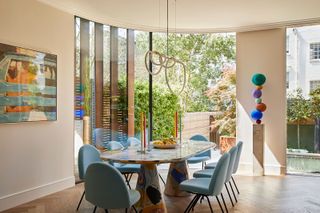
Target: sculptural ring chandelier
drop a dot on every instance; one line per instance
(161, 61)
(165, 62)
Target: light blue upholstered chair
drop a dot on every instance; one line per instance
(235, 167)
(206, 173)
(87, 155)
(105, 188)
(204, 187)
(236, 163)
(202, 157)
(126, 169)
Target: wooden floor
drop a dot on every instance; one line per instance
(287, 194)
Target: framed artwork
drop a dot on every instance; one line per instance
(28, 85)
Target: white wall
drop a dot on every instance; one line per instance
(263, 52)
(36, 158)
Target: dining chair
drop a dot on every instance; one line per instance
(210, 166)
(105, 188)
(87, 155)
(126, 169)
(236, 163)
(202, 157)
(206, 173)
(205, 187)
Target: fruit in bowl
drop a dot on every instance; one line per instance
(165, 143)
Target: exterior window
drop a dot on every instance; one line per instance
(287, 45)
(314, 85)
(315, 51)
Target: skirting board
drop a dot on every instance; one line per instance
(269, 169)
(18, 198)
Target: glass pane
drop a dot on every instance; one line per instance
(303, 124)
(141, 81)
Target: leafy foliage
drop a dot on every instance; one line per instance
(298, 107)
(204, 55)
(224, 96)
(315, 102)
(165, 105)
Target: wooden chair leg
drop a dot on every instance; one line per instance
(95, 208)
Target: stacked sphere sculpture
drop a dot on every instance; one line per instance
(258, 80)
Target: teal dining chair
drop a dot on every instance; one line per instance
(87, 155)
(105, 188)
(202, 157)
(126, 169)
(205, 187)
(206, 173)
(236, 163)
(235, 168)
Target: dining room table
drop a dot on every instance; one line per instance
(151, 199)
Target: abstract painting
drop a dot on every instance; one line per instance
(28, 85)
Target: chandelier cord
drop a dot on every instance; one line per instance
(167, 27)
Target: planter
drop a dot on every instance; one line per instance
(226, 143)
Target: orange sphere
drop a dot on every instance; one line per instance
(259, 87)
(261, 107)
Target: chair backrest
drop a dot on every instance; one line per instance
(105, 187)
(114, 145)
(199, 137)
(233, 153)
(87, 155)
(236, 163)
(132, 141)
(219, 175)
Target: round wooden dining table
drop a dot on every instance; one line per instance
(151, 199)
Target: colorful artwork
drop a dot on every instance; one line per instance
(28, 85)
(258, 80)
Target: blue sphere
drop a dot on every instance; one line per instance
(256, 115)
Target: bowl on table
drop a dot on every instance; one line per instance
(165, 144)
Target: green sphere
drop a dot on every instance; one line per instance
(258, 100)
(258, 79)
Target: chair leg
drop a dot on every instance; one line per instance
(229, 194)
(95, 208)
(190, 206)
(134, 208)
(219, 204)
(234, 195)
(126, 210)
(126, 177)
(210, 204)
(80, 200)
(195, 203)
(235, 185)
(224, 203)
(164, 183)
(106, 210)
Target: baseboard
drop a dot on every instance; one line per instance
(272, 169)
(18, 198)
(269, 169)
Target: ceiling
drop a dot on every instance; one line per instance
(194, 15)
